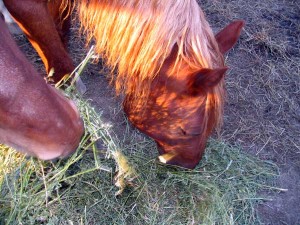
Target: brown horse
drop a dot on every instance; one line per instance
(169, 64)
(34, 117)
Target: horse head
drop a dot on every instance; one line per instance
(183, 109)
(35, 118)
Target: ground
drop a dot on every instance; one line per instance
(262, 112)
(263, 109)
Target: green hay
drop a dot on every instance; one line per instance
(223, 189)
(114, 181)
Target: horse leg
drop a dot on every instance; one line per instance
(46, 32)
(61, 14)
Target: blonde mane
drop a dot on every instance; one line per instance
(136, 36)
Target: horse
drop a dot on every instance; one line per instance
(165, 61)
(35, 118)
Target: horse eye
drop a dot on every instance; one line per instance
(188, 134)
(182, 131)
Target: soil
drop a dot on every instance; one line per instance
(262, 114)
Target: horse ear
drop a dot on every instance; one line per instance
(207, 78)
(227, 37)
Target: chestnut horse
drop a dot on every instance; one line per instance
(34, 117)
(168, 63)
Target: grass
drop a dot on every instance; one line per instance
(80, 190)
(112, 181)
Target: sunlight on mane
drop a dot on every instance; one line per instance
(135, 37)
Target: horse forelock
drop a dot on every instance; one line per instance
(137, 36)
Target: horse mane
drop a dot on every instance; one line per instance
(136, 36)
(67, 7)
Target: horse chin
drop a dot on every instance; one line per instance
(44, 150)
(47, 153)
(175, 159)
(180, 156)
(52, 155)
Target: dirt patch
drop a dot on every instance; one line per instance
(263, 109)
(262, 114)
